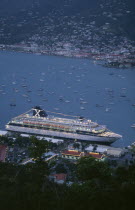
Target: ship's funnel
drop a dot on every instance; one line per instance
(81, 118)
(38, 112)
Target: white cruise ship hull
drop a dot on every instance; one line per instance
(34, 131)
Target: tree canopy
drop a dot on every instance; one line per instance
(90, 168)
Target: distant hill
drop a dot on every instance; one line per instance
(115, 16)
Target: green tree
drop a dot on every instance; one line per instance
(38, 148)
(76, 145)
(60, 168)
(90, 168)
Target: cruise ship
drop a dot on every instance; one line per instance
(38, 122)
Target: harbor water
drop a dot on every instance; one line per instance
(70, 86)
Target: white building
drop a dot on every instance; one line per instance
(115, 152)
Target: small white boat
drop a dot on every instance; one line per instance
(82, 108)
(14, 83)
(41, 80)
(108, 109)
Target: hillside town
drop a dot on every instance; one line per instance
(98, 35)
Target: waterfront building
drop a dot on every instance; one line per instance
(75, 155)
(3, 133)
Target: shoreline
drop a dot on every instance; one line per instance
(106, 60)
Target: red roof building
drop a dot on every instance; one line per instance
(71, 154)
(74, 154)
(59, 178)
(95, 155)
(3, 151)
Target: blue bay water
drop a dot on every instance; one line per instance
(104, 95)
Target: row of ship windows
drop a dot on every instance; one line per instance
(77, 128)
(55, 129)
(46, 128)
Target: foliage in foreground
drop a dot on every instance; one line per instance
(27, 187)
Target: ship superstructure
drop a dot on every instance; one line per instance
(38, 122)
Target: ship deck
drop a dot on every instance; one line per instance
(56, 120)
